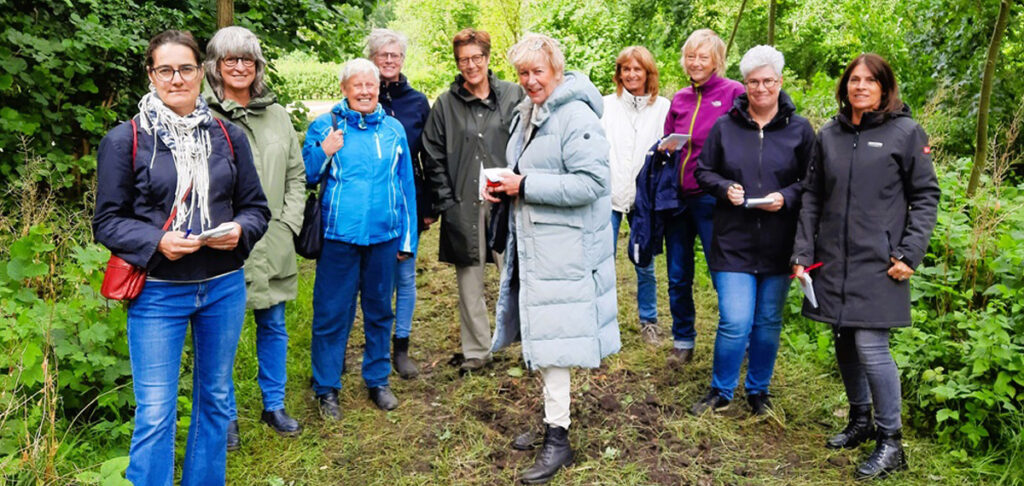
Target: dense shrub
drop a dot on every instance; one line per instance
(303, 77)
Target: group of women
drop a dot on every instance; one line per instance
(221, 166)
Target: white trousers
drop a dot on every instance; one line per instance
(556, 396)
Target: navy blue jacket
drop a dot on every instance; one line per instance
(410, 107)
(762, 160)
(132, 205)
(657, 197)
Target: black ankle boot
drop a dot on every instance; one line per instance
(555, 453)
(887, 458)
(404, 365)
(857, 431)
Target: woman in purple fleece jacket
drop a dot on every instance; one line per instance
(693, 112)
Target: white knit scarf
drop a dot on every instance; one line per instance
(189, 140)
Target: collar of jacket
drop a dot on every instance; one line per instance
(713, 82)
(395, 89)
(574, 86)
(634, 102)
(358, 119)
(871, 119)
(232, 109)
(459, 90)
(740, 111)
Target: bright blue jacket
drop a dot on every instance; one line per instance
(370, 194)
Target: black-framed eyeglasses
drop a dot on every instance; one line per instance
(388, 56)
(233, 61)
(768, 83)
(188, 72)
(477, 60)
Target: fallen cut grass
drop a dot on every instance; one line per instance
(630, 420)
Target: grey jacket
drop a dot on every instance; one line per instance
(558, 285)
(870, 195)
(462, 133)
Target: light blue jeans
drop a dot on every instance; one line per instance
(157, 321)
(750, 312)
(271, 353)
(646, 284)
(405, 296)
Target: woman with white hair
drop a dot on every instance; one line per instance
(386, 48)
(235, 91)
(369, 224)
(752, 164)
(557, 290)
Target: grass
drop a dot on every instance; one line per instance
(630, 424)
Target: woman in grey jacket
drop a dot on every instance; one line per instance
(868, 209)
(558, 286)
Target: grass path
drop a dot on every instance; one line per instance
(630, 424)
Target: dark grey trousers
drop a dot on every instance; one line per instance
(869, 373)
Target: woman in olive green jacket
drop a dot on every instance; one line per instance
(236, 92)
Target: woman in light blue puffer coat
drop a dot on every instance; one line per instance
(558, 287)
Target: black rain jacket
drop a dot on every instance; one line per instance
(870, 195)
(762, 160)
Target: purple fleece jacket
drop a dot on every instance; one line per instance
(694, 111)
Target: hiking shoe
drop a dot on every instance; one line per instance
(712, 401)
(759, 403)
(649, 333)
(679, 357)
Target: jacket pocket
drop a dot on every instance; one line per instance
(557, 237)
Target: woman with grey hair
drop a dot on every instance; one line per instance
(235, 91)
(752, 163)
(386, 48)
(369, 224)
(557, 289)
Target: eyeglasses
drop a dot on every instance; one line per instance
(233, 61)
(188, 72)
(477, 60)
(388, 56)
(768, 83)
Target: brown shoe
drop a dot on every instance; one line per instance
(649, 333)
(678, 357)
(474, 364)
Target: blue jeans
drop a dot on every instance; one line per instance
(343, 272)
(870, 374)
(693, 220)
(750, 313)
(157, 321)
(405, 296)
(271, 350)
(646, 285)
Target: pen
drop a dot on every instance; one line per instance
(808, 269)
(188, 232)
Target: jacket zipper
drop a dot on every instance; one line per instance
(846, 232)
(689, 142)
(760, 175)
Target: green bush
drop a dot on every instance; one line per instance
(302, 77)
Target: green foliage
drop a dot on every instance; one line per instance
(304, 78)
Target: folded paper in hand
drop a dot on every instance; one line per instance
(808, 289)
(492, 177)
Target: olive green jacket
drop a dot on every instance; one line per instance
(271, 272)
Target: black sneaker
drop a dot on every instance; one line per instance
(759, 403)
(712, 401)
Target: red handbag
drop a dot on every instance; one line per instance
(122, 280)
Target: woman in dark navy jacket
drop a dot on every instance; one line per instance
(869, 206)
(175, 158)
(759, 150)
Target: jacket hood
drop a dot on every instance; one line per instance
(356, 118)
(871, 119)
(575, 86)
(741, 111)
(232, 108)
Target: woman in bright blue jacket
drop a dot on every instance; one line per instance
(369, 218)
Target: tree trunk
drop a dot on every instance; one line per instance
(981, 135)
(771, 22)
(225, 13)
(735, 26)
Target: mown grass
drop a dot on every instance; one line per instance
(630, 424)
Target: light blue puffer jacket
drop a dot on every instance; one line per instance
(564, 306)
(370, 194)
